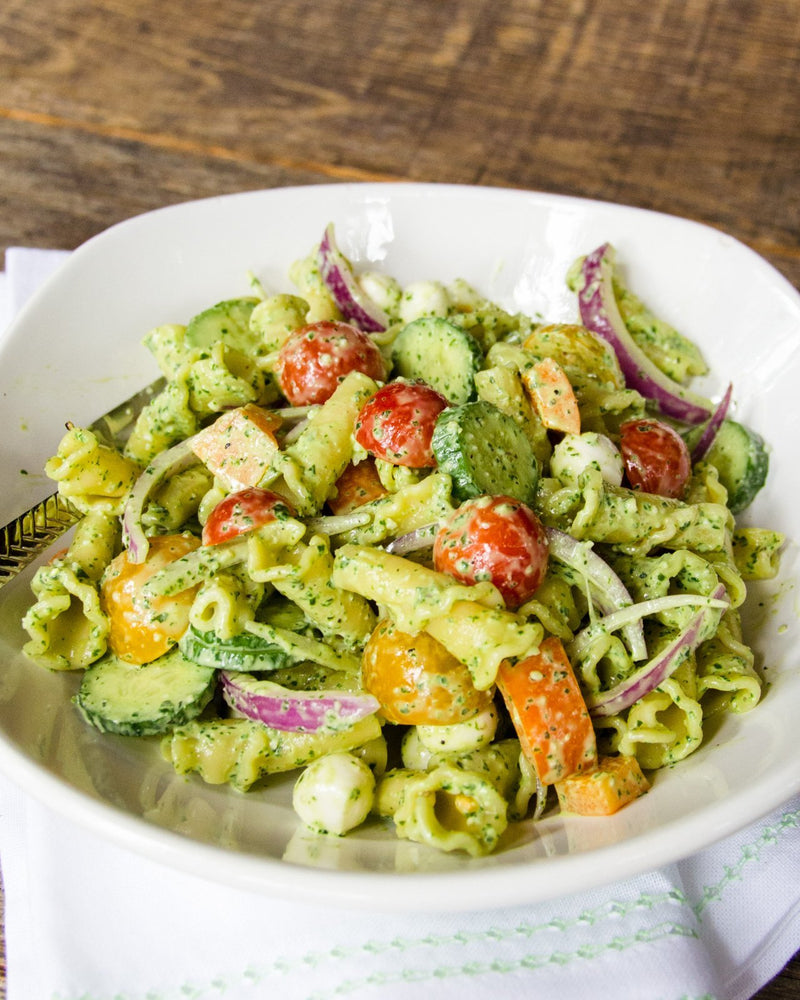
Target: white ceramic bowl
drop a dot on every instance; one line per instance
(75, 351)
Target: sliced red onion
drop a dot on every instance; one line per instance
(336, 272)
(710, 430)
(413, 541)
(298, 711)
(660, 667)
(608, 592)
(600, 314)
(617, 619)
(167, 463)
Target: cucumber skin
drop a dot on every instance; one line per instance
(742, 461)
(107, 711)
(244, 652)
(485, 451)
(414, 355)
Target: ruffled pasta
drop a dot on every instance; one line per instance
(408, 508)
(666, 725)
(67, 627)
(241, 751)
(469, 621)
(178, 500)
(756, 552)
(633, 521)
(306, 576)
(447, 808)
(727, 679)
(90, 474)
(311, 465)
(225, 603)
(166, 420)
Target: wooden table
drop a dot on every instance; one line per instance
(110, 108)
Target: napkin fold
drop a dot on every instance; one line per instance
(88, 920)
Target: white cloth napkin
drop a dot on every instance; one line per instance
(87, 920)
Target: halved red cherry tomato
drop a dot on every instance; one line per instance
(241, 512)
(316, 358)
(142, 628)
(417, 681)
(396, 423)
(656, 457)
(495, 538)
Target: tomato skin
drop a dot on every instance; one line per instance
(243, 511)
(494, 538)
(315, 359)
(656, 457)
(396, 423)
(143, 628)
(417, 681)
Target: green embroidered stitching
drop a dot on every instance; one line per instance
(768, 837)
(750, 852)
(529, 962)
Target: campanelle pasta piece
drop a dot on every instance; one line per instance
(259, 550)
(67, 627)
(225, 603)
(726, 676)
(95, 541)
(305, 576)
(240, 751)
(756, 552)
(275, 317)
(90, 474)
(483, 637)
(634, 521)
(177, 500)
(311, 465)
(665, 725)
(167, 344)
(447, 808)
(414, 593)
(224, 378)
(166, 420)
(410, 507)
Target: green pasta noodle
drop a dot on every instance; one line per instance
(67, 627)
(447, 808)
(90, 474)
(241, 751)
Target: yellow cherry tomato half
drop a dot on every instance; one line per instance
(142, 628)
(417, 681)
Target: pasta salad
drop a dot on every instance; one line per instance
(454, 565)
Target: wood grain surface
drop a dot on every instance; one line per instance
(109, 108)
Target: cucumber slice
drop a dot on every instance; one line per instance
(241, 652)
(741, 459)
(438, 352)
(485, 451)
(228, 321)
(131, 700)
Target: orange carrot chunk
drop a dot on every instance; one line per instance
(552, 396)
(239, 446)
(357, 485)
(549, 714)
(614, 783)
